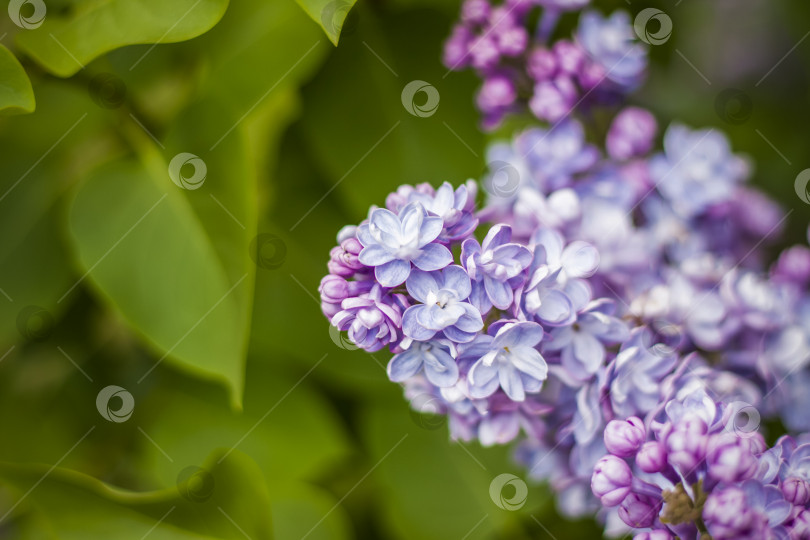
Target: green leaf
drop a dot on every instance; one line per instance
(452, 483)
(300, 510)
(329, 14)
(175, 261)
(224, 499)
(16, 94)
(389, 145)
(51, 148)
(288, 429)
(65, 44)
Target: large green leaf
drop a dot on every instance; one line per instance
(175, 262)
(369, 155)
(452, 483)
(286, 427)
(47, 151)
(65, 44)
(224, 499)
(16, 95)
(329, 14)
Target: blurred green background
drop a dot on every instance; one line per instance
(250, 419)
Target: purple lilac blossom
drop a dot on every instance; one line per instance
(442, 307)
(620, 306)
(392, 242)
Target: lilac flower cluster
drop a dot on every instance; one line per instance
(602, 62)
(696, 468)
(611, 307)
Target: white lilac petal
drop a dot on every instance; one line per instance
(565, 204)
(433, 257)
(529, 361)
(580, 259)
(483, 380)
(498, 429)
(440, 368)
(370, 317)
(411, 326)
(552, 242)
(530, 384)
(471, 321)
(560, 338)
(444, 200)
(405, 365)
(511, 382)
(430, 229)
(555, 308)
(438, 317)
(538, 276)
(421, 284)
(375, 255)
(411, 217)
(456, 279)
(364, 235)
(459, 336)
(513, 252)
(392, 273)
(588, 350)
(385, 221)
(497, 236)
(479, 298)
(342, 320)
(579, 292)
(499, 293)
(522, 334)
